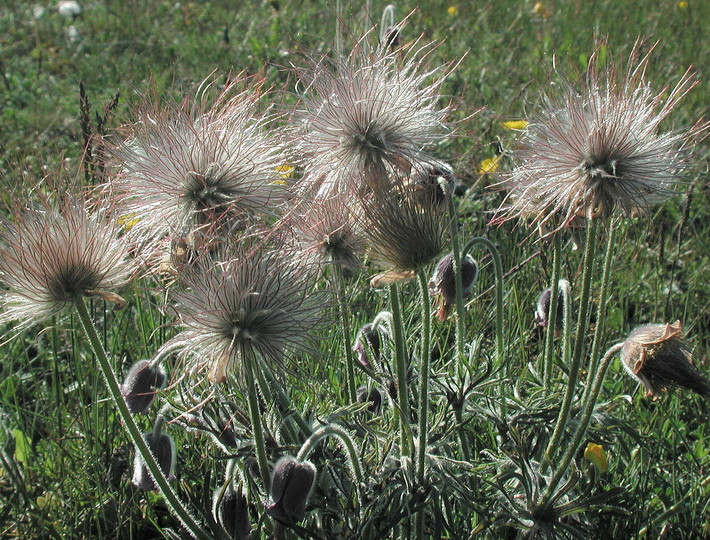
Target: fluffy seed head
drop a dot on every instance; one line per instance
(53, 255)
(658, 357)
(402, 234)
(257, 303)
(362, 116)
(191, 166)
(597, 150)
(329, 234)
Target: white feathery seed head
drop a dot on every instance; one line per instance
(194, 165)
(53, 255)
(364, 116)
(598, 150)
(258, 303)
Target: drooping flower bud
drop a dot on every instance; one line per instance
(163, 448)
(372, 396)
(291, 485)
(230, 510)
(658, 357)
(141, 382)
(368, 337)
(543, 309)
(443, 283)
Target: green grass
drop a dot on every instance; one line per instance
(59, 433)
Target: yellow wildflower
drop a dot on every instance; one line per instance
(454, 10)
(490, 165)
(127, 221)
(595, 454)
(540, 10)
(517, 125)
(682, 5)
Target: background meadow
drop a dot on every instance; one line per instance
(66, 462)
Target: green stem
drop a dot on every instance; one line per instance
(347, 338)
(582, 320)
(500, 350)
(423, 393)
(601, 305)
(271, 386)
(132, 430)
(460, 307)
(552, 313)
(344, 437)
(581, 430)
(498, 268)
(255, 417)
(401, 364)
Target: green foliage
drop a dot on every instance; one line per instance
(65, 468)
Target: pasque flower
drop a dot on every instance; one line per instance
(402, 233)
(258, 303)
(291, 485)
(598, 149)
(658, 357)
(366, 115)
(53, 255)
(186, 166)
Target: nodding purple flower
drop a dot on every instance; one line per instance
(140, 385)
(231, 511)
(191, 166)
(368, 339)
(442, 285)
(51, 256)
(658, 357)
(543, 309)
(163, 448)
(372, 396)
(258, 303)
(597, 150)
(291, 485)
(365, 118)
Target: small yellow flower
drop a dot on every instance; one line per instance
(286, 170)
(128, 221)
(490, 165)
(682, 5)
(454, 10)
(595, 453)
(517, 125)
(540, 10)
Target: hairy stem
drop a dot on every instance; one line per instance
(582, 320)
(552, 313)
(423, 393)
(174, 504)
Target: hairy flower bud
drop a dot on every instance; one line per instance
(291, 485)
(658, 357)
(163, 448)
(230, 510)
(372, 396)
(543, 309)
(141, 382)
(443, 283)
(367, 338)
